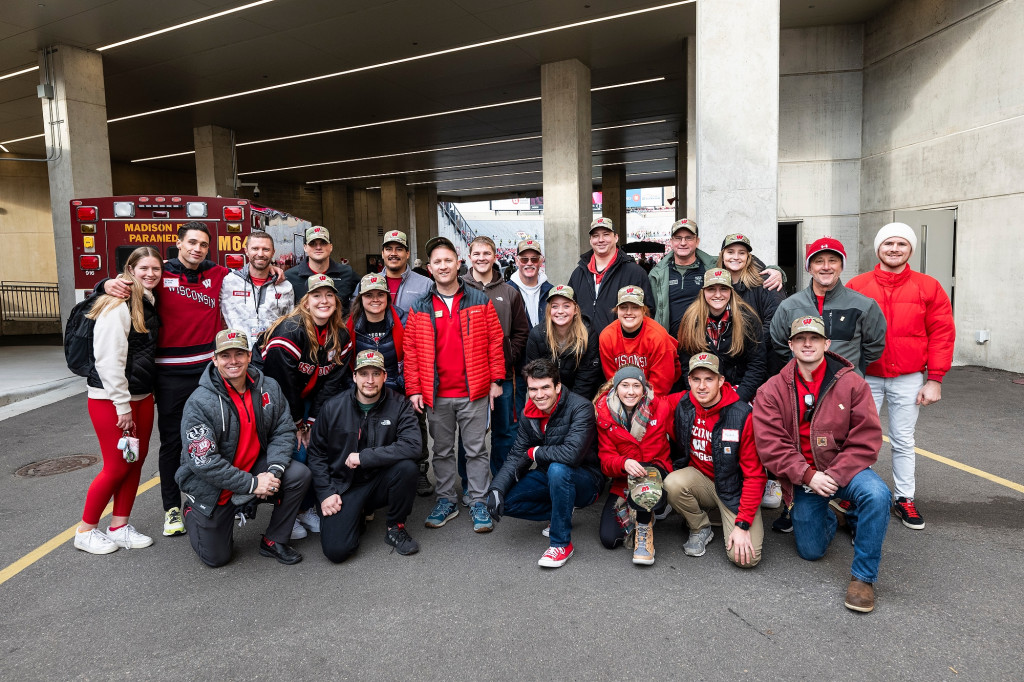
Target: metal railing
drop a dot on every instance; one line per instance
(29, 301)
(462, 228)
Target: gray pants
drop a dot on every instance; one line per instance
(471, 418)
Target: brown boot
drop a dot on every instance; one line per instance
(860, 596)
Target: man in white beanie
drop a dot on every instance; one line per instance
(918, 351)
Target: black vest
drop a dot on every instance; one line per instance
(728, 476)
(140, 365)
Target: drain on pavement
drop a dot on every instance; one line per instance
(60, 465)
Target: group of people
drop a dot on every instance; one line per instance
(698, 389)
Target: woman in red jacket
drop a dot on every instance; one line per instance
(636, 339)
(633, 427)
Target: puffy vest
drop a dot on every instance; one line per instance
(728, 475)
(140, 365)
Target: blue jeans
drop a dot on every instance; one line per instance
(503, 433)
(814, 525)
(552, 494)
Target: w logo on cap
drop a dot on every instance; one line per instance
(393, 233)
(232, 335)
(370, 355)
(702, 356)
(374, 280)
(719, 273)
(807, 320)
(322, 278)
(630, 290)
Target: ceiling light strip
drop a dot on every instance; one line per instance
(19, 73)
(184, 25)
(623, 85)
(476, 189)
(427, 170)
(22, 139)
(404, 60)
(4, 149)
(163, 156)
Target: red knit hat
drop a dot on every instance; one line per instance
(824, 244)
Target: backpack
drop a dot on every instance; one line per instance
(78, 339)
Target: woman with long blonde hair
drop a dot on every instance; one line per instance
(121, 402)
(719, 322)
(566, 338)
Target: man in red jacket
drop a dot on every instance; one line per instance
(817, 429)
(720, 467)
(918, 351)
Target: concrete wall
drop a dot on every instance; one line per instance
(26, 229)
(943, 126)
(820, 110)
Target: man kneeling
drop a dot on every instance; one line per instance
(363, 454)
(714, 429)
(237, 439)
(557, 432)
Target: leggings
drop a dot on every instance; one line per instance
(118, 478)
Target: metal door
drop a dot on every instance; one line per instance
(936, 243)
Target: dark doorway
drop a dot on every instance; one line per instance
(789, 254)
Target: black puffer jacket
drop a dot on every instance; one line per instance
(390, 346)
(391, 430)
(745, 372)
(621, 272)
(764, 303)
(569, 438)
(140, 364)
(582, 378)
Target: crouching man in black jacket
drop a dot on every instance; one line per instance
(363, 454)
(557, 432)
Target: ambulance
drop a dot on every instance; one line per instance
(105, 231)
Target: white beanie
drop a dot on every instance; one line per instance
(896, 230)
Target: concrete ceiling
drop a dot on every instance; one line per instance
(288, 40)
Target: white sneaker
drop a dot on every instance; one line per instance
(310, 520)
(298, 531)
(126, 536)
(547, 531)
(772, 495)
(94, 542)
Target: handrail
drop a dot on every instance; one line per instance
(29, 301)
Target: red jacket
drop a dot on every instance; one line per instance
(616, 444)
(919, 331)
(481, 342)
(845, 432)
(653, 351)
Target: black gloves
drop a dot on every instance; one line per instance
(495, 504)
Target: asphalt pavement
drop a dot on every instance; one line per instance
(474, 606)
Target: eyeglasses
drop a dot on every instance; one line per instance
(809, 404)
(685, 238)
(529, 259)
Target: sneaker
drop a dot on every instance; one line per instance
(860, 596)
(442, 513)
(310, 519)
(772, 498)
(173, 523)
(398, 538)
(697, 544)
(465, 499)
(298, 531)
(664, 513)
(643, 554)
(481, 518)
(547, 531)
(424, 488)
(280, 551)
(905, 509)
(94, 542)
(126, 536)
(555, 556)
(783, 524)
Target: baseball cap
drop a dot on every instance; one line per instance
(369, 358)
(736, 238)
(630, 294)
(717, 276)
(807, 324)
(824, 244)
(318, 232)
(705, 360)
(373, 282)
(230, 338)
(435, 242)
(396, 236)
(646, 490)
(562, 290)
(684, 224)
(529, 245)
(317, 281)
(603, 223)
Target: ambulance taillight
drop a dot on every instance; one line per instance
(86, 214)
(233, 213)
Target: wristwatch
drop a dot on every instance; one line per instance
(743, 525)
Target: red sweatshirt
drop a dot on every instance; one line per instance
(248, 449)
(652, 350)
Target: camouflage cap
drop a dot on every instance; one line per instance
(602, 223)
(369, 358)
(230, 338)
(529, 245)
(317, 281)
(683, 224)
(562, 290)
(705, 360)
(645, 491)
(630, 294)
(807, 324)
(717, 276)
(396, 236)
(736, 238)
(373, 282)
(318, 232)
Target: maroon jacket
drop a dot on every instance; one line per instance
(845, 432)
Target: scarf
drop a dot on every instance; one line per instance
(637, 426)
(715, 330)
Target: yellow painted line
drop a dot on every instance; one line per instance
(969, 469)
(56, 541)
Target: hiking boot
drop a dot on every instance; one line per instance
(555, 556)
(424, 488)
(127, 537)
(94, 541)
(905, 509)
(481, 518)
(280, 551)
(860, 596)
(643, 553)
(772, 498)
(698, 541)
(310, 519)
(841, 508)
(783, 524)
(173, 523)
(443, 512)
(398, 538)
(298, 531)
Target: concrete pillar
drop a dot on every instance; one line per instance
(738, 125)
(425, 198)
(566, 152)
(75, 123)
(613, 198)
(215, 161)
(686, 151)
(334, 202)
(394, 205)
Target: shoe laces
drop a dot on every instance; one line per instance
(845, 505)
(908, 507)
(553, 552)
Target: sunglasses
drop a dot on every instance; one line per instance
(529, 259)
(809, 403)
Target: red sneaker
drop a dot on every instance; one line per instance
(905, 509)
(555, 556)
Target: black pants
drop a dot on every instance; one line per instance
(212, 536)
(610, 530)
(394, 487)
(171, 392)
